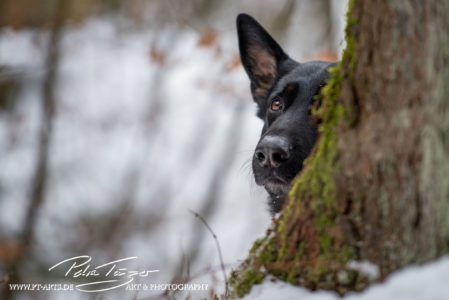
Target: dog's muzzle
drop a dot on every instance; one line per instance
(272, 152)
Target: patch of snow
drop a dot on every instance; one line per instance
(425, 282)
(366, 268)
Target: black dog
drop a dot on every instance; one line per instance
(284, 91)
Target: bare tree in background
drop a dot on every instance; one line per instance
(39, 181)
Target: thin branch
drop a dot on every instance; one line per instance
(221, 170)
(197, 215)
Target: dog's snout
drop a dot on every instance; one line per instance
(272, 151)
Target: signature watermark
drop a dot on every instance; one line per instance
(104, 277)
(89, 277)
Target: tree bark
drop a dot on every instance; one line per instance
(376, 187)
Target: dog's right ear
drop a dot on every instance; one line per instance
(260, 55)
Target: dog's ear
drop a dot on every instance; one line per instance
(260, 55)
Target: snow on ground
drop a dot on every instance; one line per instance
(426, 282)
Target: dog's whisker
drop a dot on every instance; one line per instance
(246, 166)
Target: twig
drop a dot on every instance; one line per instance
(197, 215)
(221, 170)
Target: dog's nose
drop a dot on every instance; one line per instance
(272, 151)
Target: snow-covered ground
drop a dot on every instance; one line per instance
(426, 282)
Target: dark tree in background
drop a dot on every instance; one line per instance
(377, 185)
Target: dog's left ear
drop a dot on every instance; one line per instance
(260, 55)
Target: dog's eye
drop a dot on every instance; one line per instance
(277, 104)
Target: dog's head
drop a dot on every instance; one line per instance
(284, 91)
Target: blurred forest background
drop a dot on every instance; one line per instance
(119, 118)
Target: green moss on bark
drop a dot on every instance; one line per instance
(242, 281)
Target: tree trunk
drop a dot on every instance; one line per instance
(376, 187)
